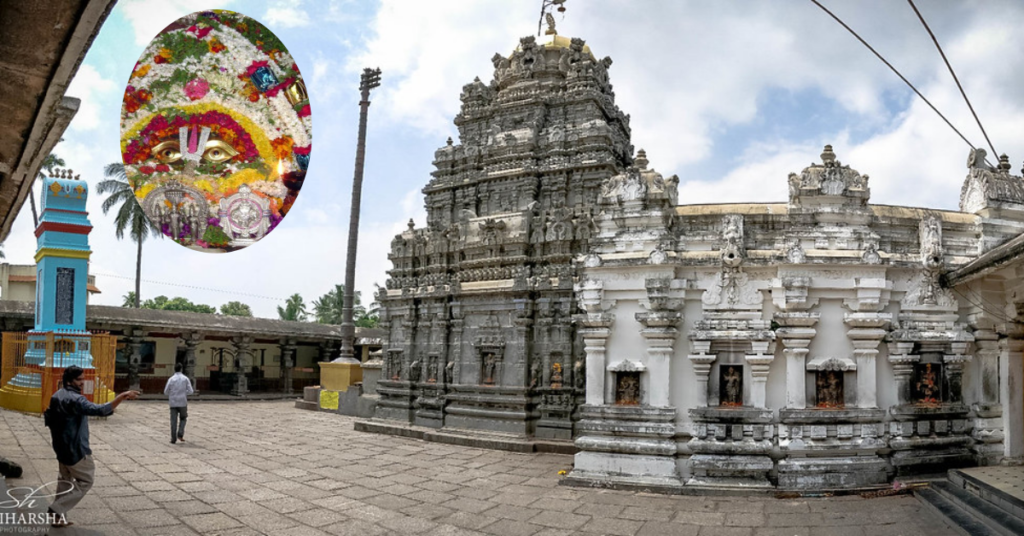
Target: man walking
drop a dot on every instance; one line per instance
(68, 420)
(177, 389)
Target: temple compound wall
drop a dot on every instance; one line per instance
(559, 291)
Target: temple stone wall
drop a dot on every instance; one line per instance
(561, 291)
(805, 345)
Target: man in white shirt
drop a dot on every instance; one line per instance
(177, 389)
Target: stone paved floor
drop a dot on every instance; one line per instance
(267, 468)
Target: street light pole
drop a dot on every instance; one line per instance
(369, 80)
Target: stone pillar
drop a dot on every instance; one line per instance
(288, 348)
(409, 355)
(660, 333)
(134, 341)
(702, 361)
(521, 356)
(455, 350)
(902, 369)
(986, 344)
(595, 339)
(796, 334)
(243, 355)
(868, 330)
(1011, 395)
(759, 362)
(988, 413)
(191, 341)
(955, 371)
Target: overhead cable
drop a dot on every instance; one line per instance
(889, 65)
(955, 79)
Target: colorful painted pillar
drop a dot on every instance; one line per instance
(59, 338)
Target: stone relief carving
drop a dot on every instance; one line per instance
(829, 179)
(926, 289)
(639, 183)
(987, 186)
(795, 253)
(871, 255)
(731, 287)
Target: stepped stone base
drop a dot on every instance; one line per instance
(466, 438)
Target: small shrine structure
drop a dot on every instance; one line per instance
(34, 362)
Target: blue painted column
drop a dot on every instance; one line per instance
(62, 270)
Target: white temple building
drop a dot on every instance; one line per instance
(820, 343)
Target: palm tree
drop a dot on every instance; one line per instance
(129, 213)
(129, 299)
(371, 315)
(294, 309)
(328, 309)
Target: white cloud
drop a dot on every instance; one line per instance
(149, 17)
(89, 86)
(288, 14)
(687, 72)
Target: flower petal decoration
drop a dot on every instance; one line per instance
(216, 131)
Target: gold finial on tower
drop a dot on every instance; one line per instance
(545, 15)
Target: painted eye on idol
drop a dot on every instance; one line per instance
(216, 131)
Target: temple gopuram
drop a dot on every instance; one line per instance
(560, 292)
(479, 305)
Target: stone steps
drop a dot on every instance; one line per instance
(968, 511)
(306, 404)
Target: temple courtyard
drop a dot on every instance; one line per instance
(264, 467)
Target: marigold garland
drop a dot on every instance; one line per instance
(223, 71)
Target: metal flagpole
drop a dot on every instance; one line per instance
(369, 80)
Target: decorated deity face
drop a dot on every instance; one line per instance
(216, 122)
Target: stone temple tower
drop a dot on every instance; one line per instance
(479, 305)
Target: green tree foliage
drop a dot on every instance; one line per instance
(129, 299)
(294, 309)
(129, 214)
(177, 304)
(235, 308)
(328, 309)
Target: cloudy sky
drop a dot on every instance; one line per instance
(730, 95)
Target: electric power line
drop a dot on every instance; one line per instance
(889, 65)
(955, 79)
(193, 287)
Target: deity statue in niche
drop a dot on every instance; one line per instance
(395, 366)
(449, 372)
(579, 373)
(830, 389)
(627, 388)
(535, 373)
(731, 386)
(432, 369)
(927, 383)
(556, 375)
(490, 365)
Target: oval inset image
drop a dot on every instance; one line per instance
(216, 131)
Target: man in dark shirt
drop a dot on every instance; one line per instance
(68, 420)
